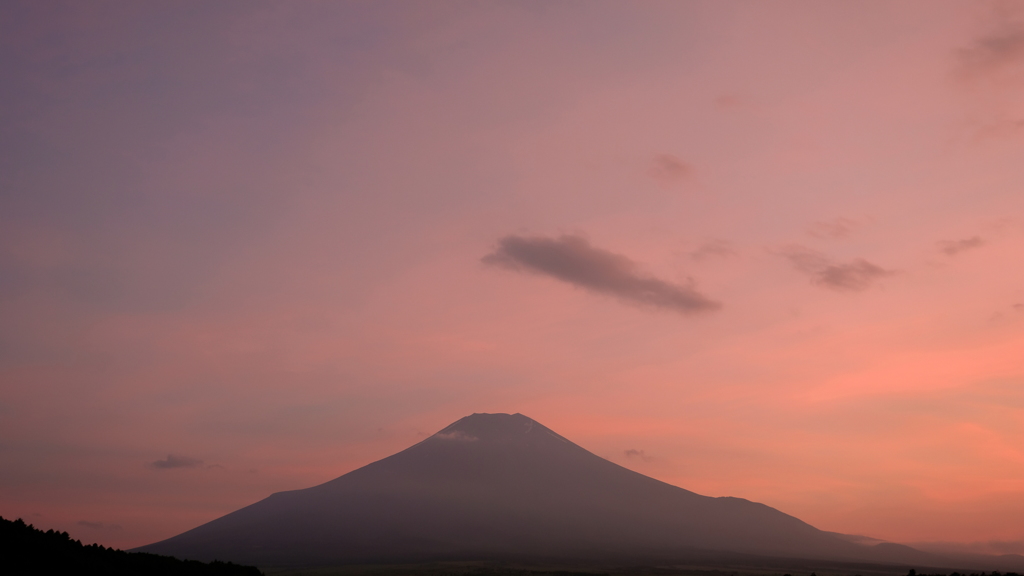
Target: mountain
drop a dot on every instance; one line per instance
(498, 486)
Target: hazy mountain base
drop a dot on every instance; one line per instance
(938, 554)
(711, 566)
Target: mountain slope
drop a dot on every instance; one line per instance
(496, 486)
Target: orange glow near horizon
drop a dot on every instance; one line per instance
(281, 241)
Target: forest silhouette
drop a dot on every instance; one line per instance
(28, 551)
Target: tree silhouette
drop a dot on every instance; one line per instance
(27, 551)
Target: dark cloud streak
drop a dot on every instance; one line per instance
(953, 247)
(174, 461)
(668, 169)
(833, 229)
(854, 276)
(572, 259)
(1001, 48)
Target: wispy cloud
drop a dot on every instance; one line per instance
(954, 247)
(713, 249)
(991, 67)
(1000, 48)
(667, 169)
(633, 453)
(833, 229)
(573, 260)
(854, 276)
(173, 461)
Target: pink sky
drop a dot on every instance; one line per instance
(254, 236)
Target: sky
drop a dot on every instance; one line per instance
(765, 250)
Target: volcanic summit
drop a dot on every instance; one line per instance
(496, 486)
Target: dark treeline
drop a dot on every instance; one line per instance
(26, 551)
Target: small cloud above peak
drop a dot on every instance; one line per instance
(854, 276)
(954, 247)
(573, 260)
(174, 461)
(635, 454)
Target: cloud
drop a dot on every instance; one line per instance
(667, 169)
(634, 453)
(854, 276)
(953, 247)
(999, 49)
(991, 68)
(173, 461)
(713, 248)
(832, 229)
(573, 260)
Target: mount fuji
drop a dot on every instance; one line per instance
(498, 487)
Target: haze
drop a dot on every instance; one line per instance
(767, 250)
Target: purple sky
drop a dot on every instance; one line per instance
(768, 250)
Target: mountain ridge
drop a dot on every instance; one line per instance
(498, 486)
